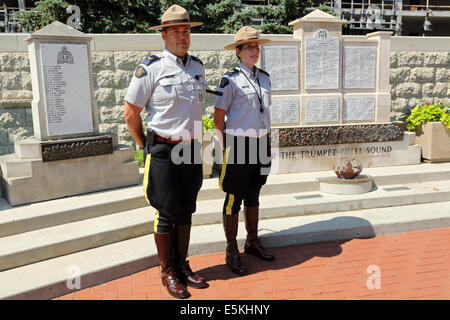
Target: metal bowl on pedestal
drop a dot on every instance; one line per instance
(348, 179)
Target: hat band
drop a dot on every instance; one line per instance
(175, 21)
(247, 39)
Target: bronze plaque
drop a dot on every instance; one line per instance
(329, 135)
(86, 147)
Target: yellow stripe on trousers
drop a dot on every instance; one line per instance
(224, 167)
(146, 176)
(145, 183)
(229, 204)
(155, 226)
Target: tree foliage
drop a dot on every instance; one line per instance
(218, 16)
(99, 16)
(126, 16)
(45, 13)
(280, 12)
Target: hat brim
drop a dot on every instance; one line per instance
(191, 24)
(233, 45)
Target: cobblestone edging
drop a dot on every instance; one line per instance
(415, 77)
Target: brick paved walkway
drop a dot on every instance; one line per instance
(414, 265)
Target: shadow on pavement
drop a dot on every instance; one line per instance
(297, 245)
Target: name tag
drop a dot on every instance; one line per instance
(200, 95)
(263, 123)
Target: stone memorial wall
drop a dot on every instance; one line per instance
(419, 72)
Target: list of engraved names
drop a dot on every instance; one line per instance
(55, 89)
(67, 91)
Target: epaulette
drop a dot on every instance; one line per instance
(265, 72)
(231, 71)
(197, 59)
(148, 60)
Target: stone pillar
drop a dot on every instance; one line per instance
(383, 109)
(44, 46)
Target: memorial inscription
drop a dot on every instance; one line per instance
(284, 110)
(359, 67)
(281, 62)
(66, 88)
(359, 108)
(321, 109)
(322, 61)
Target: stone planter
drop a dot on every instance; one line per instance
(434, 139)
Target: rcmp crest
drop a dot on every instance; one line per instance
(64, 56)
(140, 72)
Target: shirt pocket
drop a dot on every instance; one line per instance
(248, 97)
(166, 93)
(267, 98)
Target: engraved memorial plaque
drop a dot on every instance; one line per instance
(284, 110)
(66, 85)
(322, 61)
(321, 110)
(281, 62)
(359, 108)
(359, 67)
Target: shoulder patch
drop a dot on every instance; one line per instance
(224, 82)
(140, 72)
(265, 72)
(197, 59)
(148, 60)
(231, 71)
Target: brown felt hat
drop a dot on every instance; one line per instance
(175, 16)
(246, 35)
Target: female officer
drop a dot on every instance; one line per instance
(242, 122)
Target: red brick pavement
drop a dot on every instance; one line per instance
(414, 265)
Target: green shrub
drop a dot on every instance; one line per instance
(139, 157)
(427, 113)
(208, 123)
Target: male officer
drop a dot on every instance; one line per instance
(171, 87)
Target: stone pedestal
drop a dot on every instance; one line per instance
(358, 185)
(90, 164)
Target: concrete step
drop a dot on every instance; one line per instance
(56, 277)
(25, 218)
(316, 202)
(30, 247)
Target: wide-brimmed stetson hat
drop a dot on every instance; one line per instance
(246, 35)
(175, 16)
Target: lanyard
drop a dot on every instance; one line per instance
(260, 93)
